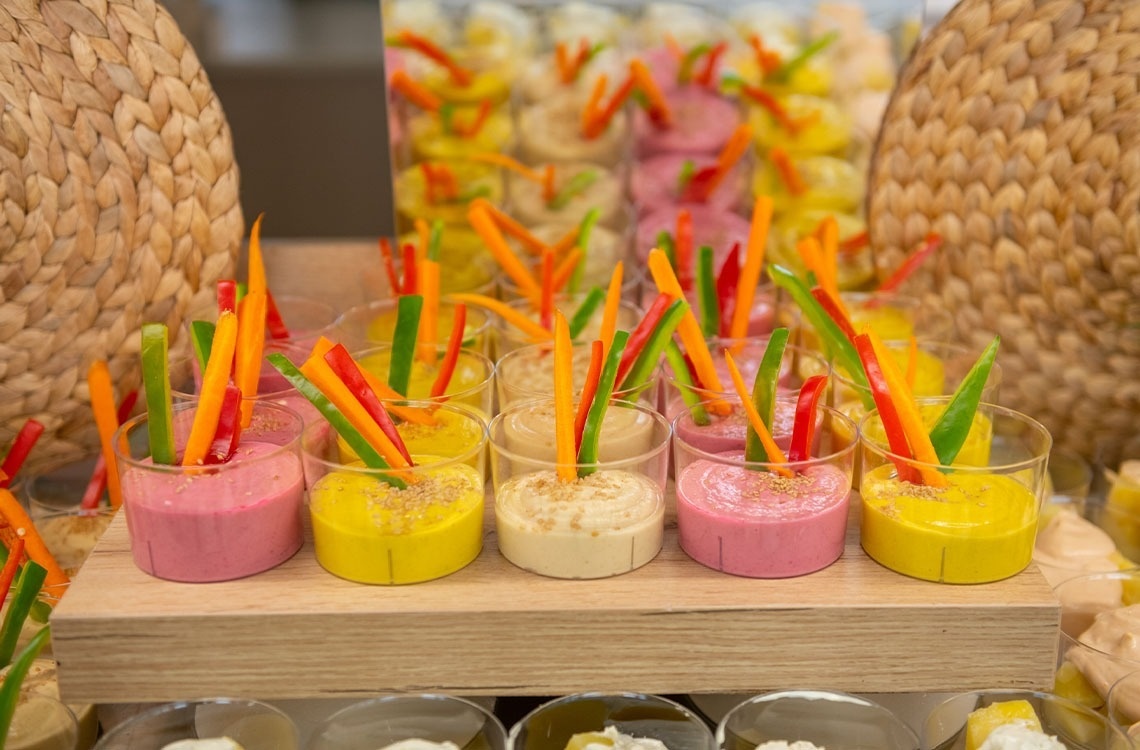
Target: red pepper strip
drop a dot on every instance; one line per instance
(389, 266)
(831, 307)
(770, 103)
(546, 301)
(768, 60)
(471, 129)
(641, 334)
(699, 185)
(273, 320)
(227, 296)
(787, 171)
(896, 279)
(409, 269)
(451, 357)
(414, 92)
(705, 76)
(25, 440)
(888, 413)
(228, 432)
(855, 242)
(97, 484)
(345, 368)
(726, 281)
(429, 183)
(684, 248)
(589, 390)
(11, 565)
(803, 430)
(428, 49)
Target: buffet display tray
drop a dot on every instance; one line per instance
(493, 629)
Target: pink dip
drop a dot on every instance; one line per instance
(702, 123)
(655, 184)
(759, 524)
(718, 229)
(226, 522)
(728, 433)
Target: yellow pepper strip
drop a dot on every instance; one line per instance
(250, 347)
(407, 413)
(566, 268)
(689, 329)
(911, 362)
(564, 400)
(256, 281)
(753, 265)
(214, 382)
(429, 316)
(317, 370)
(506, 312)
(775, 455)
(916, 435)
(102, 395)
(610, 310)
(484, 225)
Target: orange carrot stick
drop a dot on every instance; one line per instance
(566, 456)
(429, 316)
(484, 225)
(605, 115)
(250, 348)
(658, 107)
(416, 93)
(546, 303)
(506, 312)
(566, 242)
(214, 382)
(506, 162)
(460, 75)
(382, 389)
(775, 455)
(733, 151)
(611, 308)
(753, 265)
(787, 171)
(256, 281)
(591, 111)
(548, 192)
(830, 242)
(911, 362)
(102, 395)
(19, 520)
(562, 62)
(565, 269)
(508, 225)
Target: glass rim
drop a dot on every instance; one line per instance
(173, 707)
(464, 458)
(689, 714)
(490, 368)
(120, 441)
(658, 447)
(441, 698)
(807, 694)
(1006, 468)
(718, 458)
(670, 377)
(1015, 694)
(377, 306)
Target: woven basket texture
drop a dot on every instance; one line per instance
(1014, 133)
(118, 201)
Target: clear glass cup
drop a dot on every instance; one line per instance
(1070, 481)
(414, 200)
(608, 522)
(59, 488)
(743, 518)
(42, 723)
(374, 323)
(42, 680)
(825, 718)
(552, 725)
(1119, 513)
(527, 374)
(193, 523)
(1077, 726)
(979, 528)
(380, 722)
(1124, 704)
(508, 338)
(71, 535)
(369, 529)
(251, 724)
(471, 385)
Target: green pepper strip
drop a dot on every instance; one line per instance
(594, 298)
(584, 230)
(10, 690)
(159, 407)
(574, 187)
(435, 239)
(688, 169)
(686, 386)
(592, 433)
(764, 392)
(785, 71)
(829, 331)
(334, 416)
(202, 337)
(473, 192)
(650, 356)
(28, 586)
(408, 311)
(707, 300)
(950, 431)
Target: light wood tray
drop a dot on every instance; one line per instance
(493, 629)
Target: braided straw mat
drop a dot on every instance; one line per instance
(118, 201)
(1014, 132)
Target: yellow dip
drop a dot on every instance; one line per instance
(464, 263)
(828, 128)
(451, 436)
(474, 180)
(470, 383)
(979, 528)
(368, 531)
(975, 451)
(431, 143)
(383, 327)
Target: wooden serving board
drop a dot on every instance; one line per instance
(493, 629)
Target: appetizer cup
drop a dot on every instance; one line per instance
(527, 374)
(612, 715)
(374, 323)
(42, 680)
(824, 718)
(745, 518)
(59, 488)
(42, 723)
(395, 526)
(216, 522)
(251, 724)
(381, 722)
(71, 535)
(1070, 481)
(608, 521)
(471, 384)
(980, 527)
(1077, 726)
(1124, 703)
